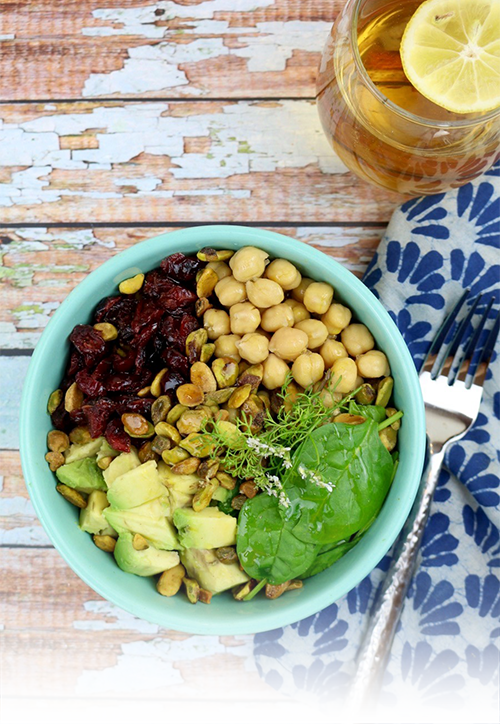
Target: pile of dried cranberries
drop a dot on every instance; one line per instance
(133, 337)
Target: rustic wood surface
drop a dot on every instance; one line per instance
(120, 120)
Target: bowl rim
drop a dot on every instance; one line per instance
(107, 274)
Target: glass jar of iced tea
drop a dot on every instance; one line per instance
(381, 127)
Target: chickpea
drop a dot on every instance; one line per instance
(288, 343)
(336, 318)
(264, 293)
(299, 311)
(245, 318)
(225, 346)
(308, 368)
(276, 317)
(298, 292)
(315, 330)
(373, 364)
(330, 351)
(357, 339)
(220, 268)
(345, 370)
(284, 273)
(253, 347)
(216, 322)
(248, 263)
(318, 297)
(230, 292)
(275, 372)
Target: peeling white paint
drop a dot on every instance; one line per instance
(113, 618)
(34, 315)
(336, 237)
(146, 183)
(27, 535)
(79, 239)
(148, 665)
(245, 137)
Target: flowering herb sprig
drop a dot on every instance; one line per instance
(266, 456)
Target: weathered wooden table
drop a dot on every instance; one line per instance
(121, 119)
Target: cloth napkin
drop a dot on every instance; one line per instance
(444, 658)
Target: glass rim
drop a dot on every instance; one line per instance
(393, 106)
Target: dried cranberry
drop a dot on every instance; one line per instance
(170, 382)
(60, 418)
(188, 324)
(116, 436)
(147, 313)
(104, 307)
(75, 363)
(120, 313)
(140, 405)
(157, 284)
(181, 267)
(123, 364)
(123, 383)
(89, 343)
(89, 384)
(179, 297)
(169, 329)
(97, 415)
(176, 361)
(102, 369)
(78, 417)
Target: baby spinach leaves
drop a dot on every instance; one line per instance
(319, 525)
(266, 545)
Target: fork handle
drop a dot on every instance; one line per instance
(377, 642)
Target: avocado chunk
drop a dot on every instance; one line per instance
(149, 520)
(82, 475)
(142, 563)
(87, 450)
(92, 519)
(106, 451)
(120, 465)
(205, 567)
(136, 487)
(221, 495)
(181, 488)
(208, 528)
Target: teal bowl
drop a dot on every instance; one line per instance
(138, 595)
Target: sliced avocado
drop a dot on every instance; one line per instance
(87, 450)
(208, 528)
(92, 519)
(82, 475)
(122, 464)
(205, 567)
(136, 487)
(221, 494)
(181, 488)
(149, 520)
(106, 451)
(142, 563)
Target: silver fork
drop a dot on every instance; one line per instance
(451, 380)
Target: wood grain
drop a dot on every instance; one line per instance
(132, 48)
(41, 266)
(88, 711)
(261, 161)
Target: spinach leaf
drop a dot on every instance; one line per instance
(374, 412)
(328, 555)
(266, 545)
(353, 459)
(226, 506)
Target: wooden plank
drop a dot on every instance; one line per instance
(60, 638)
(259, 161)
(40, 266)
(27, 711)
(143, 48)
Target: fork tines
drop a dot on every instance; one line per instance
(463, 346)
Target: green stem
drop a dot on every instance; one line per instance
(255, 590)
(390, 420)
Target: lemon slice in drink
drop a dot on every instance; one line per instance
(450, 52)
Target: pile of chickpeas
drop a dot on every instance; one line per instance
(272, 315)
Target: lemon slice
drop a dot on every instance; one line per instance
(450, 53)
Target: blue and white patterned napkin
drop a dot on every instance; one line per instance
(445, 656)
